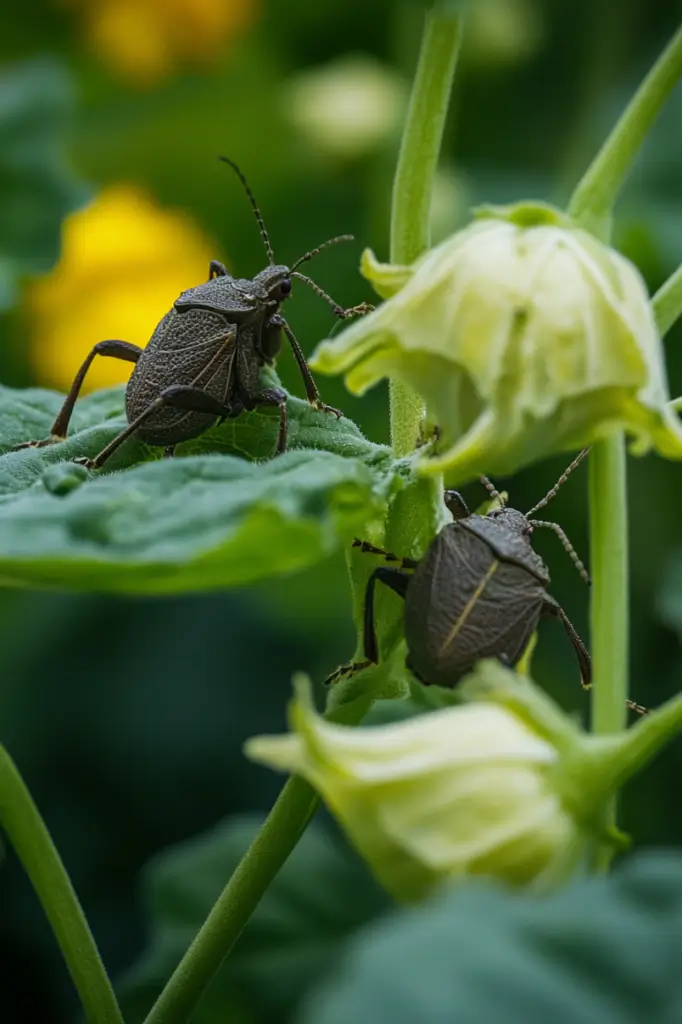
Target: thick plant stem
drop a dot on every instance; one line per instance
(594, 198)
(667, 302)
(412, 186)
(609, 568)
(28, 835)
(279, 834)
(407, 411)
(609, 606)
(591, 206)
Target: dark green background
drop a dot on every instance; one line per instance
(127, 716)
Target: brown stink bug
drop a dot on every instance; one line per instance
(479, 591)
(203, 361)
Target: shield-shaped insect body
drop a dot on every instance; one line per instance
(204, 358)
(479, 591)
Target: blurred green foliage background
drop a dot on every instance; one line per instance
(127, 716)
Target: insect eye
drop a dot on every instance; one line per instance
(285, 286)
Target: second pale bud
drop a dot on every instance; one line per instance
(464, 791)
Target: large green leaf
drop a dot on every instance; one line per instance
(36, 188)
(193, 522)
(603, 951)
(190, 524)
(322, 894)
(97, 418)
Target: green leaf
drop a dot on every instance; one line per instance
(27, 415)
(193, 522)
(36, 188)
(186, 524)
(322, 894)
(97, 418)
(602, 951)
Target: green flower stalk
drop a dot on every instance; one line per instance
(524, 335)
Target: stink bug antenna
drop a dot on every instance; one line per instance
(263, 231)
(492, 490)
(560, 482)
(338, 310)
(325, 245)
(343, 314)
(566, 545)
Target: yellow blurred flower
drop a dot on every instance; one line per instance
(145, 40)
(124, 262)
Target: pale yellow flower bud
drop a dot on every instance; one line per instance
(466, 790)
(524, 335)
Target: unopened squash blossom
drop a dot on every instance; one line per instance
(467, 790)
(523, 334)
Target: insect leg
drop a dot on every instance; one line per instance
(274, 396)
(370, 549)
(397, 581)
(553, 609)
(117, 350)
(639, 709)
(312, 394)
(178, 396)
(216, 269)
(456, 505)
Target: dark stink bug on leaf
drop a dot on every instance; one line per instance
(479, 592)
(203, 361)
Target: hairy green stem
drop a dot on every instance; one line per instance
(609, 566)
(667, 302)
(609, 605)
(592, 205)
(413, 183)
(594, 198)
(28, 834)
(277, 837)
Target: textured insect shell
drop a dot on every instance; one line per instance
(466, 602)
(197, 348)
(239, 299)
(236, 299)
(506, 533)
